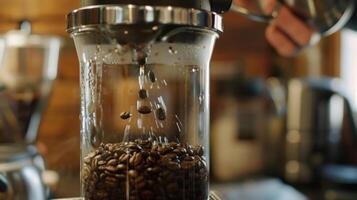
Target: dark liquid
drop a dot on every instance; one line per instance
(22, 106)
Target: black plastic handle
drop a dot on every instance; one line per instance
(220, 6)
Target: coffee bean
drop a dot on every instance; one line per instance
(125, 115)
(187, 164)
(138, 158)
(111, 168)
(173, 165)
(132, 159)
(144, 110)
(152, 76)
(143, 94)
(157, 171)
(112, 162)
(160, 114)
(199, 151)
(142, 61)
(123, 158)
(172, 188)
(133, 173)
(121, 167)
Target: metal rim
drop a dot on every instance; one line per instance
(96, 16)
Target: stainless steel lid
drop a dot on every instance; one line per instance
(93, 17)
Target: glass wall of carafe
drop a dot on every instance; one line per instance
(28, 66)
(144, 108)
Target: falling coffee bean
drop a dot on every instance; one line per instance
(152, 76)
(144, 110)
(160, 113)
(142, 61)
(125, 115)
(143, 94)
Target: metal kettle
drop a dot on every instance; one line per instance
(320, 130)
(325, 16)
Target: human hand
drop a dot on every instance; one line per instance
(287, 33)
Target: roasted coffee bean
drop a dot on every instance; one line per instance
(144, 110)
(173, 165)
(153, 171)
(199, 151)
(101, 162)
(111, 169)
(138, 158)
(160, 114)
(147, 195)
(112, 162)
(142, 61)
(121, 167)
(152, 76)
(133, 173)
(143, 94)
(125, 115)
(187, 164)
(124, 158)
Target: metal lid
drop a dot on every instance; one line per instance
(196, 4)
(91, 17)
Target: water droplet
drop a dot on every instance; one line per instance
(178, 120)
(140, 123)
(155, 28)
(126, 133)
(201, 98)
(172, 50)
(178, 127)
(194, 70)
(164, 82)
(162, 102)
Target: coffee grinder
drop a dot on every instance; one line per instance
(28, 67)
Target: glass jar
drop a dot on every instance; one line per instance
(144, 106)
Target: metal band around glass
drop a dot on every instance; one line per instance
(94, 16)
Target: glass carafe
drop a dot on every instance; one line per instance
(144, 103)
(28, 67)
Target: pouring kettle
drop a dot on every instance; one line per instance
(326, 16)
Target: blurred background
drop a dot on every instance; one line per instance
(254, 135)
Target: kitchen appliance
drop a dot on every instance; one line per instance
(144, 97)
(247, 126)
(27, 71)
(321, 132)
